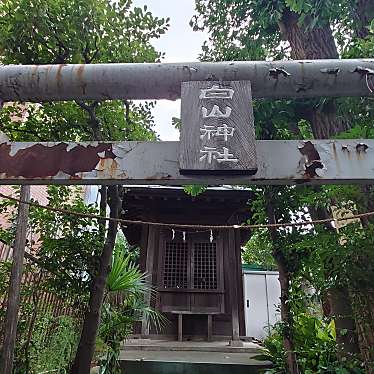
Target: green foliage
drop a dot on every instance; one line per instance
(49, 344)
(273, 351)
(67, 245)
(355, 261)
(54, 343)
(361, 47)
(69, 122)
(116, 324)
(234, 29)
(5, 267)
(176, 122)
(66, 31)
(252, 30)
(61, 31)
(4, 276)
(67, 248)
(258, 251)
(317, 260)
(124, 274)
(315, 348)
(194, 189)
(124, 305)
(341, 260)
(122, 245)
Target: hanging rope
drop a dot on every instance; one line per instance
(187, 226)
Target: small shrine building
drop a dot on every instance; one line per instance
(196, 271)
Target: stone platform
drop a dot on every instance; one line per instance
(148, 356)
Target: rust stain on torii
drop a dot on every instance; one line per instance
(40, 160)
(79, 75)
(312, 159)
(280, 162)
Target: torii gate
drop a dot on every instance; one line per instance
(271, 162)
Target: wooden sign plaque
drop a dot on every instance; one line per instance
(217, 135)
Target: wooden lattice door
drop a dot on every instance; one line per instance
(190, 273)
(175, 265)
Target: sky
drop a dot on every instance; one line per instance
(180, 44)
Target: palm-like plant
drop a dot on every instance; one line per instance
(125, 276)
(124, 304)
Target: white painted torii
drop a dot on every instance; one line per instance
(279, 162)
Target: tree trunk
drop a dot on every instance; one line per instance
(363, 298)
(35, 297)
(318, 43)
(342, 312)
(368, 203)
(314, 43)
(11, 317)
(363, 302)
(108, 195)
(323, 119)
(284, 280)
(307, 44)
(86, 347)
(362, 14)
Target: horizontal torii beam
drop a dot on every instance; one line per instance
(279, 162)
(269, 79)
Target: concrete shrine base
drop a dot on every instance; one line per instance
(139, 356)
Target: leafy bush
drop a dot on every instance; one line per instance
(53, 344)
(49, 347)
(4, 281)
(124, 304)
(315, 343)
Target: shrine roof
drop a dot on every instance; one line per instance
(172, 205)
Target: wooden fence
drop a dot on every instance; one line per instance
(45, 302)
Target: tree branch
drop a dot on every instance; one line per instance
(93, 120)
(126, 103)
(86, 55)
(62, 56)
(25, 131)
